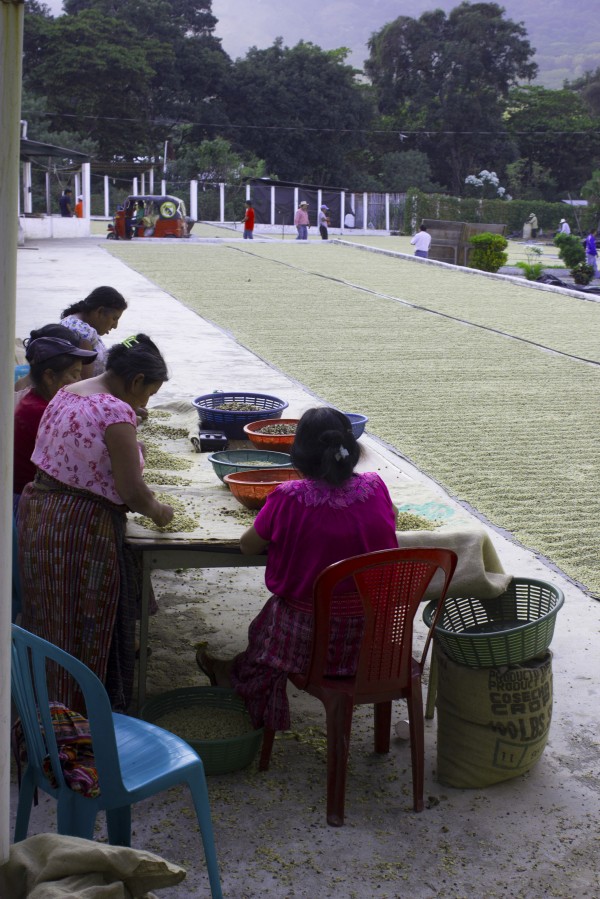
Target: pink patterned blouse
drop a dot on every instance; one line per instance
(70, 442)
(310, 525)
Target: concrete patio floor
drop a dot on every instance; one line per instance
(530, 837)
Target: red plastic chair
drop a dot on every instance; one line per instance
(391, 584)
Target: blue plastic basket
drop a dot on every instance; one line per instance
(232, 422)
(357, 421)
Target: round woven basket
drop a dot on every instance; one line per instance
(218, 756)
(508, 630)
(232, 421)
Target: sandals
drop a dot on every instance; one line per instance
(216, 670)
(205, 664)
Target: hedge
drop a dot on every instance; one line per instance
(513, 213)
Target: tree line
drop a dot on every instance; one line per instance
(441, 97)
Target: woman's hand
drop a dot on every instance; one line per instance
(163, 514)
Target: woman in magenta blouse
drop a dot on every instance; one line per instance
(307, 525)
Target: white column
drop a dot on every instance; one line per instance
(194, 199)
(273, 222)
(151, 181)
(319, 201)
(221, 201)
(48, 195)
(295, 200)
(11, 50)
(163, 187)
(387, 212)
(143, 183)
(27, 199)
(247, 191)
(77, 186)
(134, 189)
(86, 184)
(106, 197)
(365, 210)
(342, 209)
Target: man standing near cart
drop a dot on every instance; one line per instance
(248, 221)
(64, 203)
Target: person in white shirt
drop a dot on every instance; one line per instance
(564, 227)
(422, 242)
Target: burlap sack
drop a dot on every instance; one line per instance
(492, 723)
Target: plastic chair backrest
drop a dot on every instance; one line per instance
(391, 584)
(31, 656)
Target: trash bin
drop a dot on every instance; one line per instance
(526, 231)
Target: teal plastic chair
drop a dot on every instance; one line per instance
(134, 759)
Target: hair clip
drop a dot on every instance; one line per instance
(130, 341)
(342, 453)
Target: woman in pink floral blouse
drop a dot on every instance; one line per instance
(78, 580)
(307, 525)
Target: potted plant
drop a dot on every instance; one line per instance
(582, 273)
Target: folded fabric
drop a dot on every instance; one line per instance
(479, 571)
(50, 866)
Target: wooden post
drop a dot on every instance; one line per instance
(11, 50)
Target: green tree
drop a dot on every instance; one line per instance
(301, 109)
(527, 178)
(399, 171)
(446, 79)
(126, 73)
(213, 161)
(555, 132)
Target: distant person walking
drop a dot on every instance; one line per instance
(533, 224)
(591, 251)
(422, 242)
(64, 203)
(248, 221)
(324, 222)
(564, 227)
(301, 221)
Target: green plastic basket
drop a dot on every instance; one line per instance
(218, 756)
(229, 461)
(508, 630)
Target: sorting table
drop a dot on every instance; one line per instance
(168, 555)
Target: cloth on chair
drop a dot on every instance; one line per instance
(479, 571)
(49, 866)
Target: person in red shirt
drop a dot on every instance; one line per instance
(55, 361)
(249, 222)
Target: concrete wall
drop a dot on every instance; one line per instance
(46, 227)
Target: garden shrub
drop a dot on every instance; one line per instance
(488, 252)
(570, 250)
